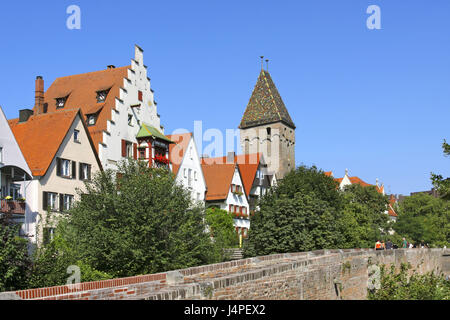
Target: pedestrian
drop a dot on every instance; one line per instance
(378, 245)
(383, 245)
(389, 245)
(404, 244)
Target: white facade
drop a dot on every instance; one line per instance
(239, 200)
(79, 151)
(190, 174)
(119, 128)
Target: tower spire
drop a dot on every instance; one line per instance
(267, 65)
(262, 63)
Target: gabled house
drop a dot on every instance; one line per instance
(225, 190)
(15, 175)
(347, 180)
(61, 156)
(115, 103)
(255, 175)
(186, 165)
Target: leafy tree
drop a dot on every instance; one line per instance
(222, 230)
(363, 220)
(424, 217)
(440, 183)
(397, 285)
(298, 215)
(14, 260)
(133, 221)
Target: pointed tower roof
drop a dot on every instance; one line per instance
(265, 105)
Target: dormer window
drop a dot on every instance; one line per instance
(60, 102)
(101, 96)
(91, 119)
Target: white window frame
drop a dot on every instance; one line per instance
(68, 202)
(52, 200)
(66, 166)
(76, 135)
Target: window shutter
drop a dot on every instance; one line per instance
(231, 208)
(89, 172)
(61, 202)
(74, 170)
(124, 148)
(45, 200)
(140, 95)
(58, 167)
(135, 151)
(80, 171)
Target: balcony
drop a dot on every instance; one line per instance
(12, 207)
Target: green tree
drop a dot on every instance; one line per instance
(222, 230)
(440, 183)
(424, 217)
(363, 220)
(133, 221)
(14, 260)
(398, 285)
(298, 215)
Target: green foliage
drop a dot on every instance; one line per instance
(440, 183)
(422, 217)
(397, 285)
(140, 223)
(14, 260)
(308, 212)
(298, 215)
(362, 217)
(222, 230)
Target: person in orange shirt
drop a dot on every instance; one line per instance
(378, 245)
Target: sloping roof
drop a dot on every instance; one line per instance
(81, 92)
(328, 173)
(41, 136)
(356, 180)
(265, 105)
(248, 166)
(147, 130)
(178, 149)
(391, 210)
(218, 178)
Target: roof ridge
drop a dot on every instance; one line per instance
(90, 72)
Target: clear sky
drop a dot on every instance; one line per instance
(374, 101)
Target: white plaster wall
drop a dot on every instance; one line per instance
(111, 151)
(70, 150)
(238, 201)
(191, 160)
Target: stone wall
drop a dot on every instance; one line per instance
(318, 275)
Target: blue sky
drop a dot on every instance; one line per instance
(374, 101)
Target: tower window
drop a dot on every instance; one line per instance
(269, 131)
(91, 119)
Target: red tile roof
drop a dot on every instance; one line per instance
(41, 136)
(329, 173)
(81, 92)
(248, 166)
(218, 179)
(178, 149)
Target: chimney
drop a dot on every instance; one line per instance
(39, 95)
(25, 114)
(111, 67)
(230, 157)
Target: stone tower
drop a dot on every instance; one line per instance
(267, 127)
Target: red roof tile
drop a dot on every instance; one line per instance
(41, 136)
(218, 179)
(81, 92)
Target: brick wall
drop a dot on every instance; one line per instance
(318, 275)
